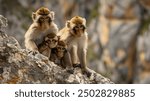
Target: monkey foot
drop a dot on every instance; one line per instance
(33, 52)
(87, 71)
(70, 69)
(76, 65)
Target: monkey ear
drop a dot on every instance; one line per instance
(33, 16)
(84, 21)
(68, 24)
(52, 15)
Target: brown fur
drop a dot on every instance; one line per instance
(77, 20)
(51, 35)
(42, 26)
(60, 55)
(43, 11)
(62, 43)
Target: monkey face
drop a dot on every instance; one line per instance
(60, 50)
(44, 19)
(78, 30)
(52, 42)
(43, 15)
(77, 26)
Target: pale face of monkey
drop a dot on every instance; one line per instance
(78, 29)
(76, 26)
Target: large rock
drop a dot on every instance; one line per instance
(22, 66)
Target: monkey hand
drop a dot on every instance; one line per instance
(33, 52)
(76, 65)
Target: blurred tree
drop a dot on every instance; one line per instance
(120, 21)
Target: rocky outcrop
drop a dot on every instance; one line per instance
(21, 66)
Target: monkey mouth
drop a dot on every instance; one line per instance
(78, 33)
(60, 54)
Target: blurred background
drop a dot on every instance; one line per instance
(119, 32)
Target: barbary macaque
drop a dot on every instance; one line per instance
(60, 55)
(42, 25)
(76, 38)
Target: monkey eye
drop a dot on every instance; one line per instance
(75, 28)
(54, 40)
(63, 48)
(82, 27)
(49, 40)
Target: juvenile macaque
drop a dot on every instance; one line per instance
(60, 55)
(50, 41)
(76, 38)
(42, 25)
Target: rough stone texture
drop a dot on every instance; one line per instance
(3, 22)
(24, 67)
(118, 29)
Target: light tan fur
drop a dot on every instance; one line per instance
(42, 25)
(75, 35)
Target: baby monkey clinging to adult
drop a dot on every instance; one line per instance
(60, 55)
(50, 41)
